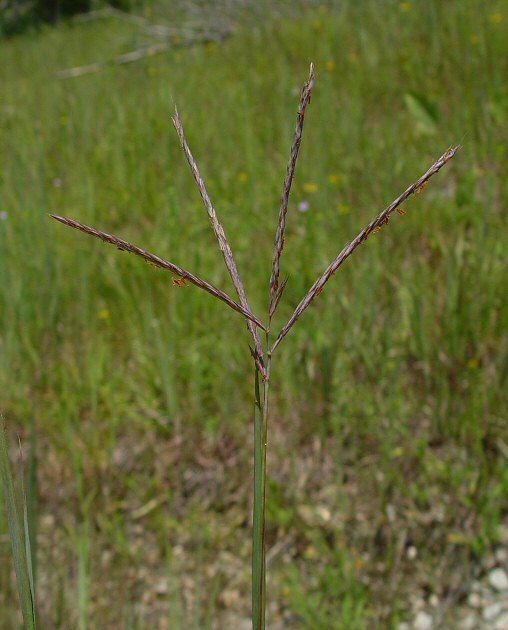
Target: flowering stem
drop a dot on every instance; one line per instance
(259, 509)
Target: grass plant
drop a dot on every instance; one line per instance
(263, 357)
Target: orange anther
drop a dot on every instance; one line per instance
(178, 282)
(448, 154)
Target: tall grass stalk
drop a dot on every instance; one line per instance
(263, 356)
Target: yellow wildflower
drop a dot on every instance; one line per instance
(316, 24)
(333, 179)
(103, 314)
(310, 552)
(151, 71)
(405, 6)
(330, 65)
(310, 187)
(495, 18)
(343, 208)
(242, 177)
(472, 364)
(64, 120)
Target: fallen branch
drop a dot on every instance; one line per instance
(135, 55)
(171, 38)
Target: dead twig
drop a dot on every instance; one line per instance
(279, 236)
(222, 240)
(160, 262)
(382, 218)
(171, 37)
(159, 30)
(130, 57)
(140, 53)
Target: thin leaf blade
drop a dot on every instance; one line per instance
(17, 534)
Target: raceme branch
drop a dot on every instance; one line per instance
(160, 262)
(279, 236)
(222, 240)
(375, 224)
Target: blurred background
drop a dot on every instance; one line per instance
(132, 398)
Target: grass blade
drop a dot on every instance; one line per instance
(28, 513)
(18, 535)
(83, 557)
(423, 111)
(28, 549)
(32, 501)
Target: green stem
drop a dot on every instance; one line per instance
(263, 508)
(258, 547)
(257, 508)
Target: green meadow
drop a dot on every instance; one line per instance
(388, 444)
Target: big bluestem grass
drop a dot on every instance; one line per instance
(264, 342)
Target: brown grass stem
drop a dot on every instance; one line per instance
(222, 240)
(381, 218)
(160, 262)
(281, 226)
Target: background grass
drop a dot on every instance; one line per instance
(389, 430)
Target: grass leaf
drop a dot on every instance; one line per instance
(18, 535)
(423, 111)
